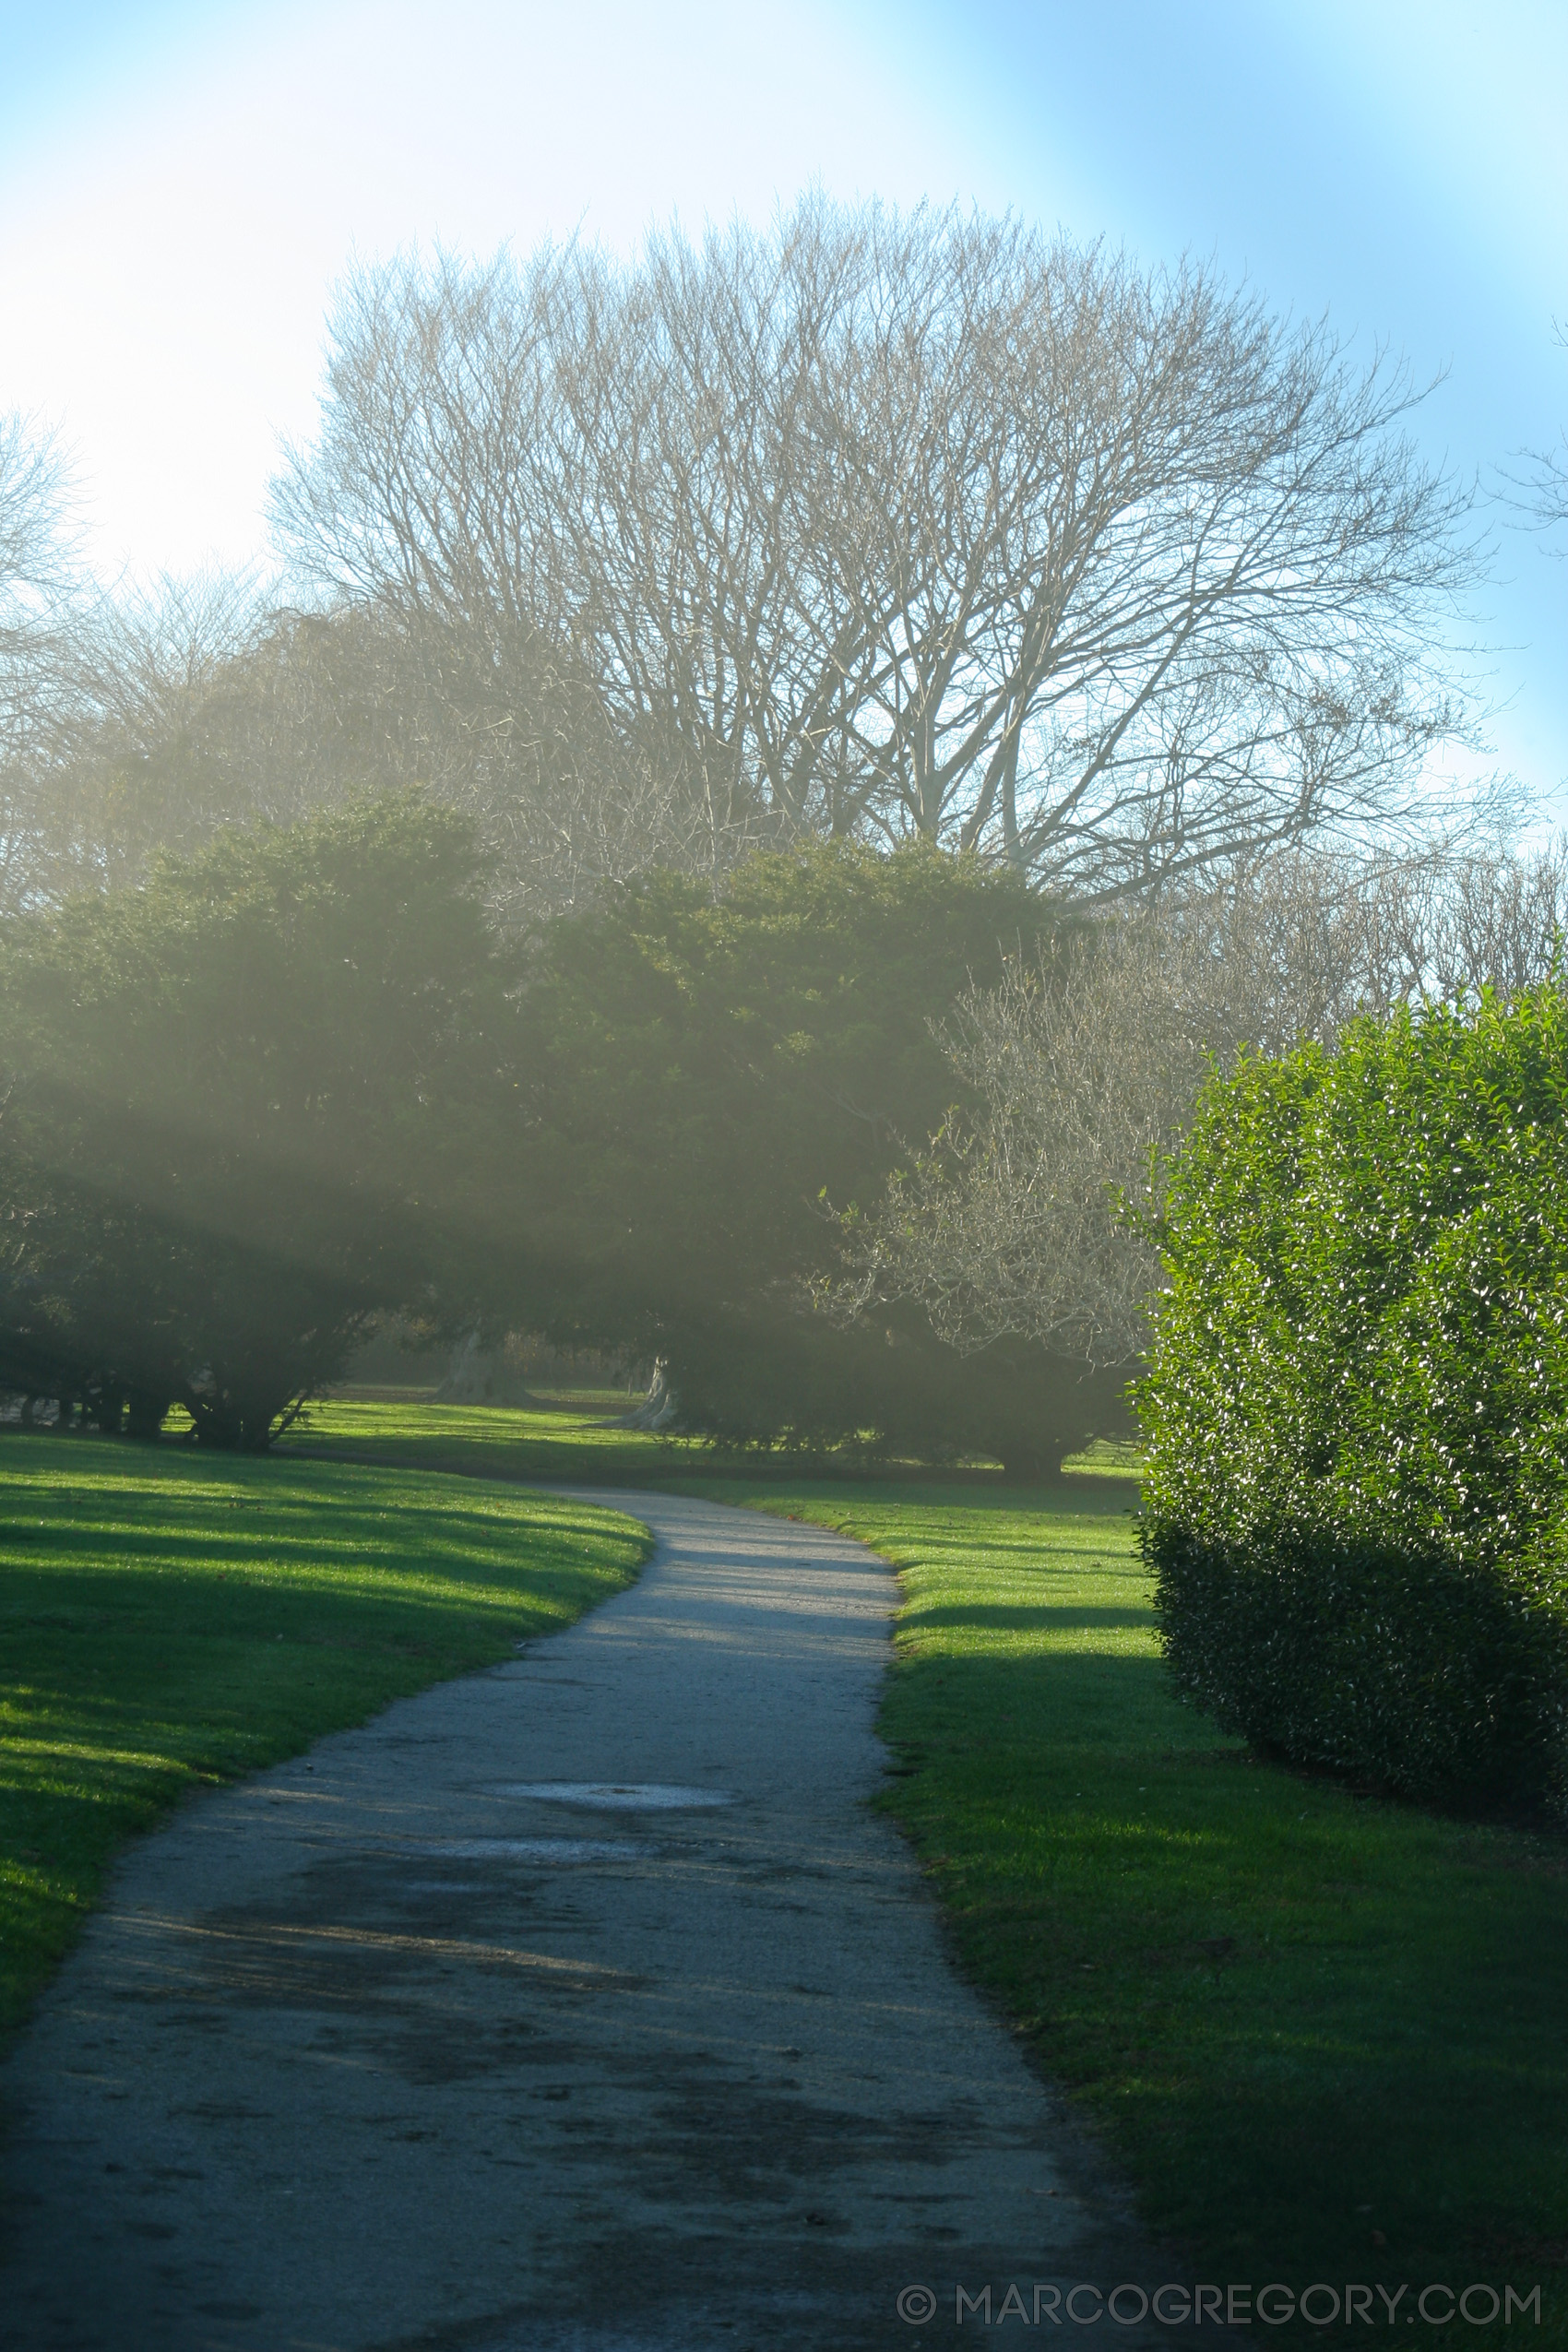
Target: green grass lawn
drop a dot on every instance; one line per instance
(485, 1440)
(1326, 2037)
(573, 1440)
(169, 1618)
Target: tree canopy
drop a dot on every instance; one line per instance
(710, 1079)
(242, 1105)
(725, 691)
(903, 525)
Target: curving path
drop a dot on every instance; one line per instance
(580, 2003)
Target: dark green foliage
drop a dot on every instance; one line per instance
(1357, 1407)
(1414, 1671)
(713, 1075)
(1317, 2031)
(239, 1103)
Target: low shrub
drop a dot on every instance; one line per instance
(1356, 1495)
(1417, 1672)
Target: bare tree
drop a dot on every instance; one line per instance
(1440, 926)
(1536, 483)
(191, 705)
(35, 559)
(1010, 1224)
(905, 524)
(433, 508)
(39, 578)
(113, 770)
(1025, 1214)
(870, 524)
(98, 690)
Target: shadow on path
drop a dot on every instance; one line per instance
(584, 2002)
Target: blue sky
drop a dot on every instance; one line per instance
(180, 186)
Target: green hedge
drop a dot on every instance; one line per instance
(1357, 1498)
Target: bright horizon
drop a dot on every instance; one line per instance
(182, 187)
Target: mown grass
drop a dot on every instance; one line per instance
(483, 1441)
(169, 1619)
(1325, 2036)
(573, 1441)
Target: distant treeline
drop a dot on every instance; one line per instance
(858, 1151)
(300, 1083)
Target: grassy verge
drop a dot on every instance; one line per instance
(167, 1619)
(1327, 2037)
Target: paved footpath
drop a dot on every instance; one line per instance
(582, 2005)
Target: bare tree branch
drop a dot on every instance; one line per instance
(1537, 485)
(913, 524)
(1024, 1217)
(39, 578)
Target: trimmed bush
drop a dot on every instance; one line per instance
(1357, 1499)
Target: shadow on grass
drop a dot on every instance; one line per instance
(150, 1642)
(1322, 2033)
(1024, 1617)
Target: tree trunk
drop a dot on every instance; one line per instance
(478, 1375)
(1035, 1463)
(145, 1412)
(103, 1412)
(658, 1408)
